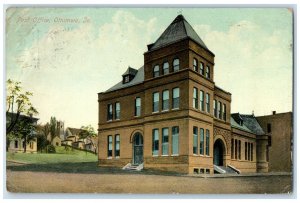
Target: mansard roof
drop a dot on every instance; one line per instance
(179, 29)
(130, 71)
(246, 123)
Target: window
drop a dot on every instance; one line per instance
(207, 143)
(165, 68)
(156, 71)
(232, 149)
(137, 111)
(176, 65)
(251, 147)
(165, 100)
(16, 144)
(195, 98)
(155, 102)
(207, 73)
(117, 110)
(219, 110)
(175, 140)
(215, 108)
(195, 140)
(201, 100)
(269, 141)
(201, 68)
(165, 141)
(126, 79)
(246, 151)
(109, 146)
(239, 149)
(195, 65)
(117, 145)
(224, 112)
(201, 141)
(109, 112)
(155, 142)
(269, 129)
(175, 101)
(207, 103)
(235, 149)
(249, 151)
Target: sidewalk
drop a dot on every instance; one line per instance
(229, 175)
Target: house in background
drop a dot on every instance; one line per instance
(18, 144)
(170, 115)
(279, 128)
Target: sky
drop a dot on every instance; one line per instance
(65, 56)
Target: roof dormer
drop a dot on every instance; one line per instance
(129, 75)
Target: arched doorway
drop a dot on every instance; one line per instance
(138, 148)
(219, 152)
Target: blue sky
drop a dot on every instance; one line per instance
(66, 64)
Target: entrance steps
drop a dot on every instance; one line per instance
(224, 169)
(133, 167)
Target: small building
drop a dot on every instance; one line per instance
(279, 129)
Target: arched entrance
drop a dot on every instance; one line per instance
(138, 148)
(219, 152)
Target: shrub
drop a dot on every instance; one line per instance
(51, 149)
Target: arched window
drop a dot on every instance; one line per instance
(156, 71)
(176, 65)
(165, 68)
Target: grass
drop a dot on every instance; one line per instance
(61, 156)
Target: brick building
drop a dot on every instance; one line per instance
(279, 129)
(169, 114)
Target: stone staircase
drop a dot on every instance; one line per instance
(133, 167)
(224, 169)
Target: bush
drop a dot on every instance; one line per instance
(51, 149)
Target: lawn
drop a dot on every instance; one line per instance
(61, 156)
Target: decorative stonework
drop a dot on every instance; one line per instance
(226, 134)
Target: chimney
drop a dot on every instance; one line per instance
(273, 112)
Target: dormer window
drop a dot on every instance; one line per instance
(129, 75)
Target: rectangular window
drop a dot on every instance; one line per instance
(175, 140)
(165, 100)
(269, 129)
(155, 102)
(215, 108)
(176, 65)
(240, 149)
(175, 101)
(195, 98)
(165, 141)
(155, 142)
(195, 65)
(109, 112)
(137, 107)
(207, 73)
(224, 112)
(207, 103)
(201, 100)
(117, 145)
(16, 144)
(156, 71)
(219, 110)
(201, 68)
(251, 152)
(195, 140)
(165, 68)
(235, 149)
(246, 151)
(201, 141)
(109, 146)
(207, 143)
(232, 149)
(117, 110)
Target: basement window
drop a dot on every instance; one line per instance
(196, 170)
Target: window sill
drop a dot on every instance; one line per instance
(154, 155)
(137, 116)
(165, 110)
(109, 121)
(175, 109)
(175, 155)
(165, 155)
(155, 112)
(117, 157)
(109, 157)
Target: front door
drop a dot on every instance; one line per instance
(138, 149)
(218, 153)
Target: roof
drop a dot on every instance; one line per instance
(74, 131)
(138, 78)
(21, 117)
(130, 71)
(249, 123)
(179, 29)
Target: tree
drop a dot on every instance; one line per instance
(53, 127)
(87, 132)
(42, 133)
(17, 101)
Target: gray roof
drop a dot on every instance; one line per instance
(249, 123)
(130, 71)
(138, 78)
(179, 29)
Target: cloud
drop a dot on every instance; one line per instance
(66, 68)
(253, 64)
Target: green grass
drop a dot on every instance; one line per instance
(61, 156)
